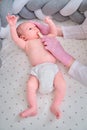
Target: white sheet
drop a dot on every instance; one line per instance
(13, 77)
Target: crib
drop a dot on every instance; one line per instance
(14, 74)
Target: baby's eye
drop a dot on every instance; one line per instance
(30, 28)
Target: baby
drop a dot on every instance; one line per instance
(45, 75)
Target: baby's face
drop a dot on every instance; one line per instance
(30, 31)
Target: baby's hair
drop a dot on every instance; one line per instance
(19, 30)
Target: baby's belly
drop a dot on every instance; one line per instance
(41, 57)
(38, 54)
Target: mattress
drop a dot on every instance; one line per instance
(14, 74)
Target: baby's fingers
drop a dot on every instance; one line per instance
(11, 16)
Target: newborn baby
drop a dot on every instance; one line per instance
(45, 75)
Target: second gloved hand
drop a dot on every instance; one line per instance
(54, 46)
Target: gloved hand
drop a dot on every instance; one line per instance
(42, 27)
(54, 46)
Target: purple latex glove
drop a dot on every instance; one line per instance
(54, 46)
(42, 27)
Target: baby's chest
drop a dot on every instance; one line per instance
(35, 45)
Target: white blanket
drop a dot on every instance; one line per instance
(13, 77)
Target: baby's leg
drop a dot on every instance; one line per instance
(59, 92)
(31, 96)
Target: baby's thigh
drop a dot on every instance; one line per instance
(33, 83)
(59, 81)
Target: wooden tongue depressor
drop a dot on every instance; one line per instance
(40, 35)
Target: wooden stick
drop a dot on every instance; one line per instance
(40, 35)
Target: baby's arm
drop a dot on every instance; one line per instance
(12, 23)
(52, 27)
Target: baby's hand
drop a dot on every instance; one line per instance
(11, 19)
(47, 19)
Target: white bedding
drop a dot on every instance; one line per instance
(13, 77)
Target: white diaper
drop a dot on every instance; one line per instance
(45, 73)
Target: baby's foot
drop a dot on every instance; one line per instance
(55, 111)
(28, 112)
